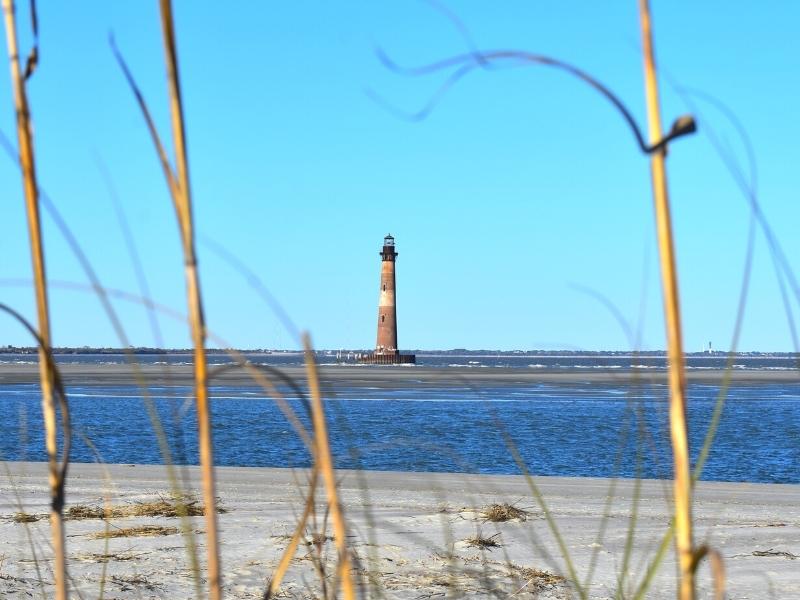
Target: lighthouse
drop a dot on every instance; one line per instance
(386, 351)
(387, 305)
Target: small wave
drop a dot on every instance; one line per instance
(102, 395)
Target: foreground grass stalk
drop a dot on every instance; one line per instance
(682, 485)
(30, 187)
(183, 208)
(286, 560)
(324, 462)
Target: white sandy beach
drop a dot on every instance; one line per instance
(407, 530)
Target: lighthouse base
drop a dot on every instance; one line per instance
(388, 359)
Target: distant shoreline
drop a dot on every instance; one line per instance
(454, 352)
(388, 376)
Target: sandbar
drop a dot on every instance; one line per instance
(348, 375)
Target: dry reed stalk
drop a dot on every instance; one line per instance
(26, 157)
(682, 485)
(294, 542)
(183, 208)
(717, 568)
(324, 463)
(103, 296)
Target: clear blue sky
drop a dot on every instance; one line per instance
(522, 183)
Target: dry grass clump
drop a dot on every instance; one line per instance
(500, 513)
(84, 511)
(170, 506)
(108, 557)
(478, 541)
(23, 517)
(536, 577)
(141, 531)
(129, 582)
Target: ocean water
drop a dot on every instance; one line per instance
(582, 429)
(551, 361)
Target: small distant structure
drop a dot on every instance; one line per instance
(386, 352)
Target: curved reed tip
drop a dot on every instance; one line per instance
(683, 125)
(386, 60)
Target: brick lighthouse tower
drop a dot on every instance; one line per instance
(387, 307)
(386, 352)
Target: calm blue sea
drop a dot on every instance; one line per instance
(599, 430)
(550, 361)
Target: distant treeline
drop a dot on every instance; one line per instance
(143, 350)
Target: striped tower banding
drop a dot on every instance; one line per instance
(387, 307)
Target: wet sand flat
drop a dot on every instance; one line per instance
(409, 531)
(382, 376)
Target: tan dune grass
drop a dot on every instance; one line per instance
(181, 196)
(324, 461)
(31, 191)
(294, 541)
(682, 484)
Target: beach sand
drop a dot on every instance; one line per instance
(408, 531)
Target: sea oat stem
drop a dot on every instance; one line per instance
(27, 163)
(682, 485)
(324, 462)
(183, 208)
